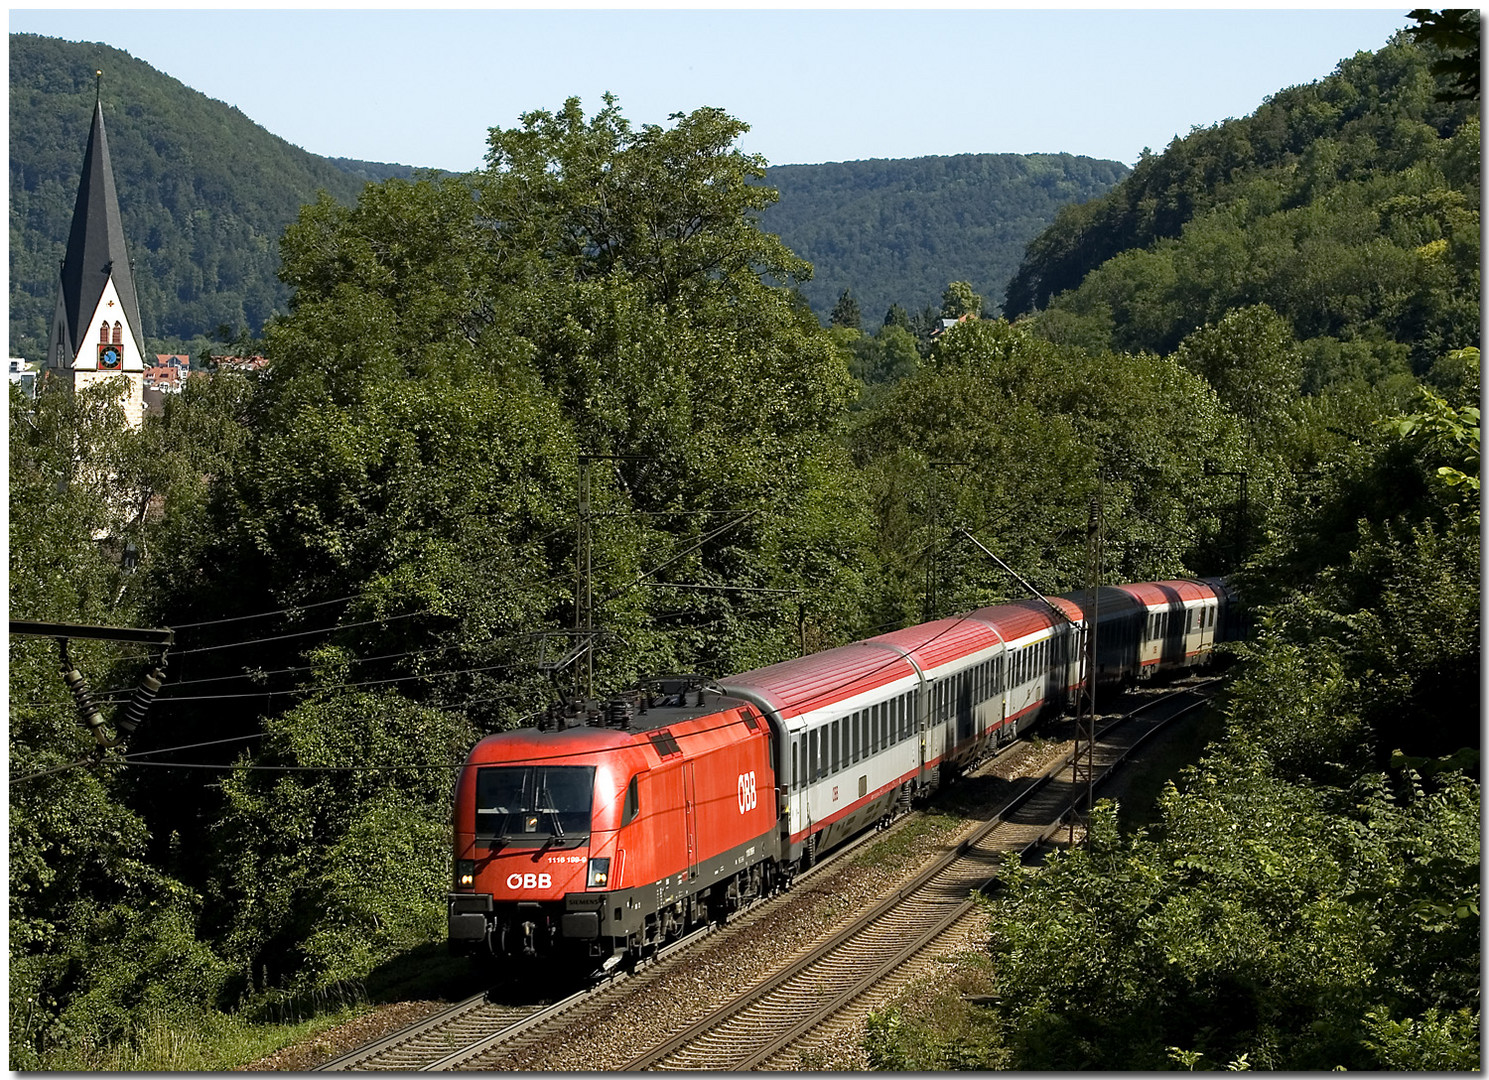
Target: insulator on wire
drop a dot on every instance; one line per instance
(133, 714)
(87, 711)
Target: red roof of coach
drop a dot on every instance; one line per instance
(812, 682)
(936, 643)
(1164, 593)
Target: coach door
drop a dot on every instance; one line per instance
(690, 817)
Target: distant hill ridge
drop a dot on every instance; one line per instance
(206, 193)
(897, 231)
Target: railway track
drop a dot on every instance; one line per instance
(494, 1030)
(803, 997)
(456, 1035)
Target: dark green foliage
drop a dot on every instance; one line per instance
(203, 191)
(999, 417)
(1254, 366)
(845, 312)
(324, 873)
(898, 231)
(97, 928)
(1349, 206)
(1262, 925)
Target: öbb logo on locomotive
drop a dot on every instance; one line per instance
(747, 798)
(529, 881)
(611, 829)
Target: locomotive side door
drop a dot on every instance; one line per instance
(690, 817)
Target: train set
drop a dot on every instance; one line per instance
(596, 837)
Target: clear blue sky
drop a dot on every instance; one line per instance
(422, 88)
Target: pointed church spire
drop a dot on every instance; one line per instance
(97, 282)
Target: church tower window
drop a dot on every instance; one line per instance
(118, 333)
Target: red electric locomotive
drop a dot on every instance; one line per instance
(607, 834)
(613, 836)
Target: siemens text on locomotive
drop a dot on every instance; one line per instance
(605, 835)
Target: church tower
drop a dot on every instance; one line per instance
(96, 333)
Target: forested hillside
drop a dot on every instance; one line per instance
(895, 232)
(369, 554)
(205, 193)
(1350, 206)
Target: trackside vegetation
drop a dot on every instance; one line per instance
(368, 552)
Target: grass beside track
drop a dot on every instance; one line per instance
(208, 1040)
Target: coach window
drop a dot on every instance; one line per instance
(851, 750)
(833, 744)
(812, 755)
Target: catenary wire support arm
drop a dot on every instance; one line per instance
(132, 714)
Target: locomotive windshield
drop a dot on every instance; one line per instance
(534, 802)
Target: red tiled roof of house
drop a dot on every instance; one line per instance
(163, 375)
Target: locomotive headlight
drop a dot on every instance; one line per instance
(465, 873)
(599, 873)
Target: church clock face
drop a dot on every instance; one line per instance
(110, 357)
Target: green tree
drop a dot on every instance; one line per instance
(1252, 361)
(672, 208)
(960, 299)
(845, 312)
